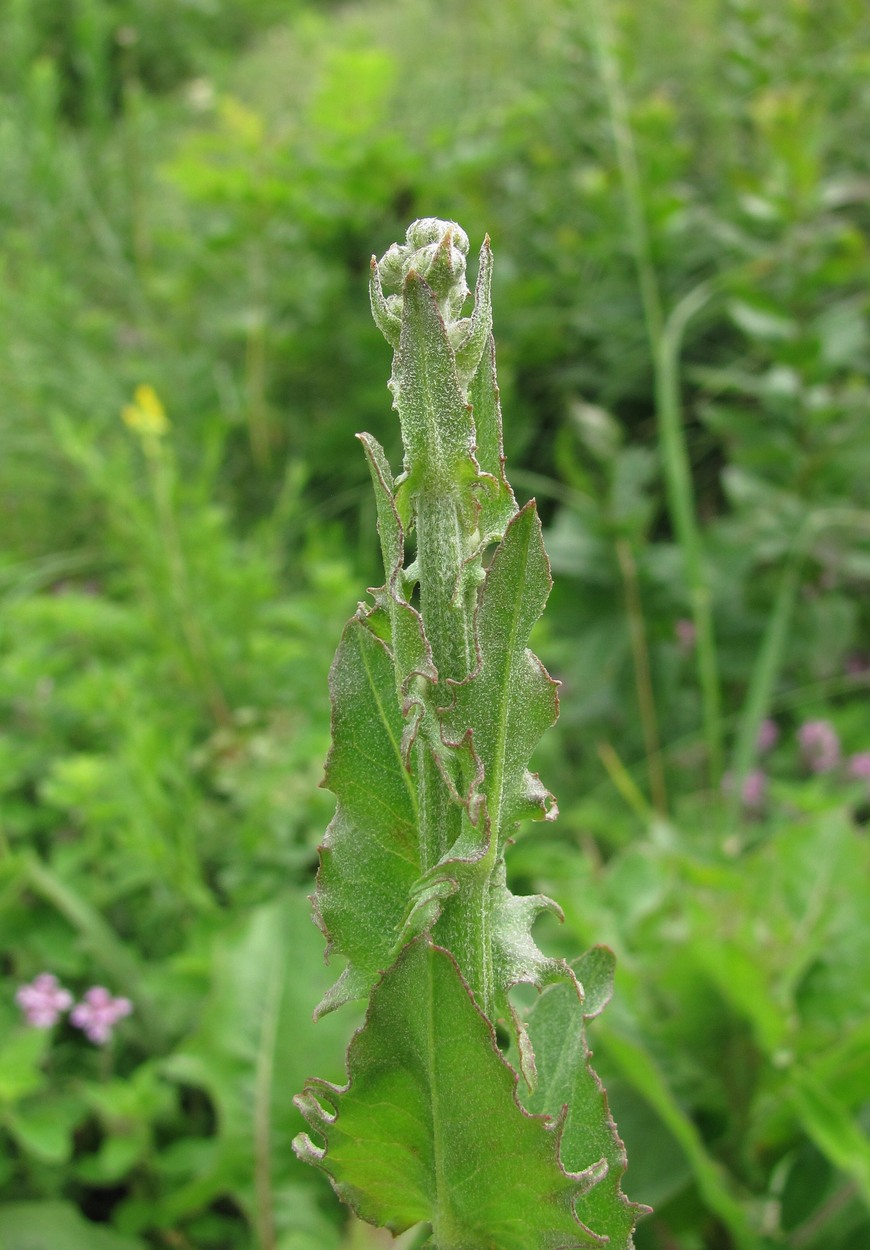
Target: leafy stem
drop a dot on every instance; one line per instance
(437, 706)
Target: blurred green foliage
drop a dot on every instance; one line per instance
(189, 196)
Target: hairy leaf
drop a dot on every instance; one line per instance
(428, 1127)
(496, 497)
(437, 429)
(566, 1080)
(510, 699)
(438, 704)
(369, 858)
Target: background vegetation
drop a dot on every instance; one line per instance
(679, 201)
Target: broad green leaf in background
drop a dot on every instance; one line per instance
(56, 1226)
(835, 1132)
(21, 1054)
(254, 1041)
(44, 1125)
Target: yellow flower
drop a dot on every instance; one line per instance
(146, 415)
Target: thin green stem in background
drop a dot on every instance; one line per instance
(643, 678)
(256, 363)
(263, 1087)
(681, 502)
(624, 782)
(620, 124)
(665, 338)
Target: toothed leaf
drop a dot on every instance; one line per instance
(556, 1030)
(369, 857)
(428, 1127)
(438, 705)
(510, 699)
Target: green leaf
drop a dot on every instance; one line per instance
(56, 1225)
(254, 1039)
(763, 323)
(497, 502)
(369, 858)
(496, 499)
(499, 713)
(412, 655)
(510, 699)
(470, 336)
(117, 1157)
(832, 1129)
(437, 429)
(44, 1125)
(428, 1127)
(644, 1074)
(565, 1079)
(20, 1057)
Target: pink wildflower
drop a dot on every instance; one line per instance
(859, 766)
(820, 746)
(98, 1013)
(754, 790)
(43, 1001)
(768, 735)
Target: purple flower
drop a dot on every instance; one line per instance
(768, 735)
(686, 635)
(859, 766)
(820, 746)
(43, 1001)
(754, 790)
(98, 1013)
(858, 663)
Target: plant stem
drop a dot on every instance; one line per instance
(265, 1070)
(442, 549)
(681, 505)
(448, 616)
(623, 781)
(620, 124)
(665, 339)
(259, 433)
(643, 679)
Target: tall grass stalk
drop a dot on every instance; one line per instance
(665, 338)
(681, 504)
(643, 678)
